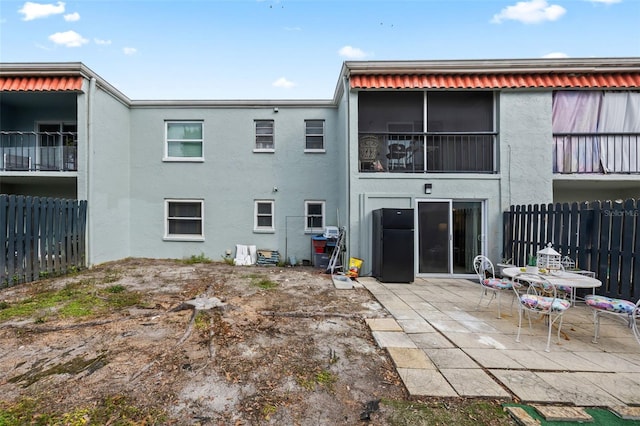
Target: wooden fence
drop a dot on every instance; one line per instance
(603, 237)
(41, 237)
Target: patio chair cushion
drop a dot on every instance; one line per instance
(564, 288)
(609, 304)
(497, 283)
(543, 303)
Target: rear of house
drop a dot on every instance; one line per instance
(456, 142)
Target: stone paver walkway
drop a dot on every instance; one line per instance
(442, 346)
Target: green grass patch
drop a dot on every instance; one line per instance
(263, 282)
(115, 410)
(77, 299)
(322, 378)
(193, 259)
(468, 413)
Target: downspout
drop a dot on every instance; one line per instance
(89, 168)
(347, 132)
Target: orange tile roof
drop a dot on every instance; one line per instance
(40, 84)
(497, 81)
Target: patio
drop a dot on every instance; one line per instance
(443, 347)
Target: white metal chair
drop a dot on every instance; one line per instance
(617, 307)
(541, 298)
(488, 281)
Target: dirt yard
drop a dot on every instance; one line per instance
(185, 344)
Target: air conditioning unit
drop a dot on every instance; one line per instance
(331, 232)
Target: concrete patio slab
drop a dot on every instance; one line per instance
(451, 358)
(578, 390)
(430, 340)
(473, 382)
(410, 358)
(393, 339)
(444, 347)
(528, 386)
(421, 382)
(563, 414)
(419, 325)
(383, 324)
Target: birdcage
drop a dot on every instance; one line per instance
(568, 263)
(549, 259)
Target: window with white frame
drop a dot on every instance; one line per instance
(264, 135)
(314, 135)
(184, 219)
(264, 216)
(184, 141)
(314, 216)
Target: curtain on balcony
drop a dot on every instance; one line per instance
(620, 113)
(576, 112)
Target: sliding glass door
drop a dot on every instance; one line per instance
(450, 235)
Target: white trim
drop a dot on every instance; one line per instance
(256, 135)
(183, 237)
(167, 158)
(323, 135)
(307, 215)
(265, 229)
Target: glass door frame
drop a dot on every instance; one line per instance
(450, 201)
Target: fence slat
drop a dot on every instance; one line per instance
(603, 237)
(40, 236)
(615, 237)
(626, 252)
(4, 206)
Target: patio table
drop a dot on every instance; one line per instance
(561, 279)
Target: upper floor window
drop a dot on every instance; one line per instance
(264, 136)
(314, 135)
(184, 141)
(314, 215)
(184, 219)
(264, 216)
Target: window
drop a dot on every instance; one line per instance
(264, 135)
(314, 215)
(314, 135)
(58, 148)
(184, 141)
(184, 219)
(264, 216)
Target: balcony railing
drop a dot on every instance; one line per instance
(459, 152)
(38, 151)
(615, 153)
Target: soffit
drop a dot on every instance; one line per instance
(629, 80)
(40, 84)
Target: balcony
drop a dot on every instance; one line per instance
(596, 153)
(38, 151)
(432, 152)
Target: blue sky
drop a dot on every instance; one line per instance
(294, 49)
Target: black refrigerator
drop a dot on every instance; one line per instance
(392, 245)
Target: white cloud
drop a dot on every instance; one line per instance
(101, 42)
(129, 51)
(350, 52)
(68, 39)
(530, 12)
(71, 17)
(284, 83)
(554, 55)
(33, 11)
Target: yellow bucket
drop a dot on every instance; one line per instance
(354, 266)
